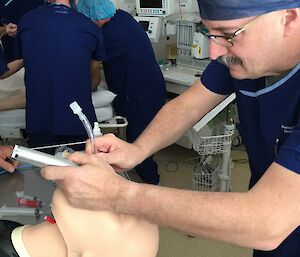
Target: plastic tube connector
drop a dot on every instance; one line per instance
(87, 125)
(76, 108)
(96, 130)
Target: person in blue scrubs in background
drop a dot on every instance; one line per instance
(131, 72)
(258, 45)
(11, 12)
(3, 64)
(61, 48)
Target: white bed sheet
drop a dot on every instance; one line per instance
(12, 121)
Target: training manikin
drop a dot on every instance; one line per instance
(81, 233)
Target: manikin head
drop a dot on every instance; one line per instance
(253, 38)
(101, 233)
(79, 232)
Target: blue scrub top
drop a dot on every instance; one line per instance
(3, 65)
(131, 70)
(269, 119)
(11, 11)
(269, 116)
(58, 44)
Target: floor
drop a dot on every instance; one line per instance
(176, 166)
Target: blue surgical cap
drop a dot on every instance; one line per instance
(96, 9)
(236, 9)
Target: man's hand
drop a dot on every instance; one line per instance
(11, 29)
(94, 185)
(118, 153)
(5, 161)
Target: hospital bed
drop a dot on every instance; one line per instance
(12, 122)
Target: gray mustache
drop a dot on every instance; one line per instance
(229, 60)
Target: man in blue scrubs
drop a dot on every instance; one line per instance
(10, 13)
(59, 47)
(131, 72)
(258, 41)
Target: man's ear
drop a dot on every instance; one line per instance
(291, 21)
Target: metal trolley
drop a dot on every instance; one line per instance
(212, 172)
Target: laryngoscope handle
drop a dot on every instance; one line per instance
(37, 158)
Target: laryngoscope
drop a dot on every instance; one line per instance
(39, 159)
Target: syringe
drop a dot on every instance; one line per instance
(19, 211)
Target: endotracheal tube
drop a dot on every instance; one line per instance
(87, 125)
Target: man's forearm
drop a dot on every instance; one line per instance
(196, 213)
(255, 219)
(166, 127)
(176, 117)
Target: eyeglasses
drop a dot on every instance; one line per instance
(227, 40)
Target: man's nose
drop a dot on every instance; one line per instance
(216, 50)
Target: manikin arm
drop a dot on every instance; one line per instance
(13, 102)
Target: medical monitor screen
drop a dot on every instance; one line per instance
(144, 24)
(151, 3)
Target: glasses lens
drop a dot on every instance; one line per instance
(221, 41)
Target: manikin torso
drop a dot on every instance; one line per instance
(83, 233)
